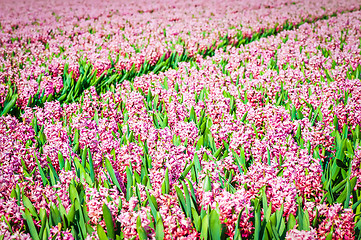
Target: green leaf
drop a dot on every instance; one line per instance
(291, 222)
(129, 183)
(196, 220)
(207, 185)
(44, 223)
(108, 222)
(55, 214)
(306, 221)
(257, 220)
(335, 122)
(244, 117)
(340, 152)
(181, 199)
(192, 192)
(159, 230)
(61, 160)
(54, 178)
(205, 227)
(71, 214)
(165, 184)
(81, 223)
(184, 174)
(141, 232)
(101, 233)
(197, 163)
(345, 195)
(188, 201)
(91, 166)
(356, 204)
(9, 105)
(215, 225)
(28, 205)
(316, 113)
(293, 113)
(165, 83)
(153, 205)
(329, 235)
(200, 143)
(237, 232)
(42, 174)
(84, 156)
(31, 226)
(111, 172)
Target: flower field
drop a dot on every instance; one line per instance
(180, 120)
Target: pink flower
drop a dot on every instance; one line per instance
(295, 234)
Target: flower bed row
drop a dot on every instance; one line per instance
(58, 59)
